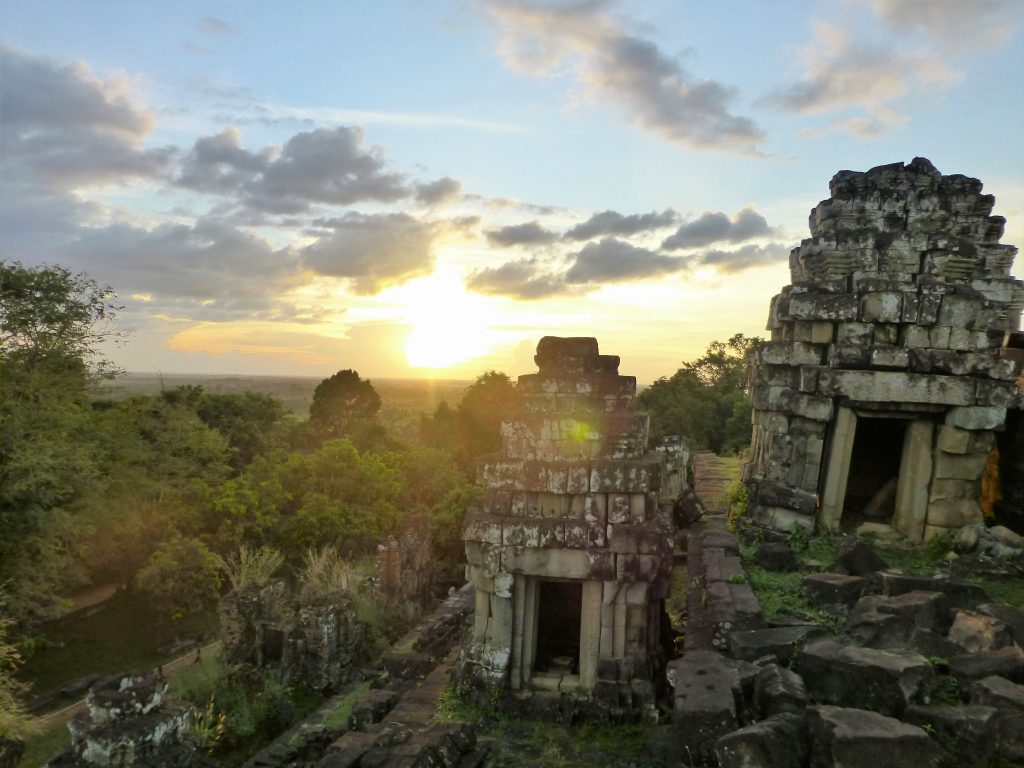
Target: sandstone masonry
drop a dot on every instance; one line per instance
(877, 397)
(570, 551)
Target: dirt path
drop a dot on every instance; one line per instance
(61, 716)
(87, 598)
(712, 477)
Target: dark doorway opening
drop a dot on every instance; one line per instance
(874, 472)
(560, 604)
(273, 645)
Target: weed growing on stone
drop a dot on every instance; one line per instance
(338, 716)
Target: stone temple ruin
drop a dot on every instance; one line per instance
(570, 551)
(876, 400)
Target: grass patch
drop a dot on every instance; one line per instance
(338, 716)
(121, 634)
(42, 746)
(532, 744)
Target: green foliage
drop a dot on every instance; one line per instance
(343, 403)
(473, 428)
(333, 496)
(209, 726)
(338, 715)
(183, 576)
(705, 401)
(737, 498)
(49, 313)
(247, 420)
(15, 722)
(251, 567)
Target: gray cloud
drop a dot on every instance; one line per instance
(373, 251)
(611, 260)
(629, 71)
(209, 269)
(955, 25)
(444, 190)
(214, 27)
(614, 223)
(522, 279)
(745, 257)
(528, 233)
(718, 227)
(63, 127)
(322, 166)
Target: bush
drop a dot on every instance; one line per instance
(182, 575)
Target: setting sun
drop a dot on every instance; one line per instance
(449, 325)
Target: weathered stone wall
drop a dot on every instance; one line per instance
(317, 644)
(574, 496)
(405, 568)
(898, 307)
(130, 722)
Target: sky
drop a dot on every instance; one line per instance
(425, 189)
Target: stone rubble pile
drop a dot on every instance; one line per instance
(925, 672)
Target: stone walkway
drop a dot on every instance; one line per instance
(713, 475)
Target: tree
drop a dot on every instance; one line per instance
(15, 722)
(705, 401)
(473, 428)
(183, 576)
(51, 323)
(342, 403)
(48, 312)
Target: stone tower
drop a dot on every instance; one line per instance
(570, 550)
(876, 400)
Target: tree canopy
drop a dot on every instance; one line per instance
(342, 403)
(705, 401)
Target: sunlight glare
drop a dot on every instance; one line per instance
(448, 324)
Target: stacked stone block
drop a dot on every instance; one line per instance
(574, 496)
(898, 308)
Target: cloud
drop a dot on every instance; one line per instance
(208, 269)
(373, 251)
(214, 27)
(611, 65)
(63, 128)
(325, 165)
(843, 74)
(522, 279)
(718, 227)
(954, 25)
(611, 260)
(750, 255)
(529, 233)
(614, 223)
(444, 190)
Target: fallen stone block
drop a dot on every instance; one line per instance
(976, 632)
(857, 557)
(372, 708)
(407, 666)
(1010, 616)
(825, 588)
(779, 642)
(959, 594)
(967, 733)
(777, 557)
(855, 738)
(927, 610)
(776, 742)
(1005, 662)
(884, 681)
(1008, 699)
(778, 690)
(705, 703)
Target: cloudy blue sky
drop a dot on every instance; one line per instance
(426, 188)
